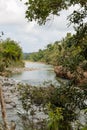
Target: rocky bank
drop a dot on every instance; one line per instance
(81, 76)
(13, 104)
(11, 98)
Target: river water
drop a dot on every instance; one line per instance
(37, 74)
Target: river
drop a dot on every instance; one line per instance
(37, 74)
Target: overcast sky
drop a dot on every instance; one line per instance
(30, 35)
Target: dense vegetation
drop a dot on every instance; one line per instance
(65, 52)
(10, 54)
(61, 106)
(52, 52)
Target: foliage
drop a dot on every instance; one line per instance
(48, 55)
(12, 50)
(85, 128)
(32, 98)
(65, 53)
(10, 54)
(55, 117)
(64, 103)
(34, 95)
(40, 10)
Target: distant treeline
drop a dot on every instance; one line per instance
(10, 54)
(69, 52)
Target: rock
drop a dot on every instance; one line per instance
(8, 101)
(8, 106)
(13, 125)
(11, 98)
(62, 73)
(13, 104)
(85, 74)
(69, 75)
(1, 128)
(59, 71)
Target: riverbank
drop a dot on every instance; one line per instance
(13, 104)
(16, 70)
(11, 99)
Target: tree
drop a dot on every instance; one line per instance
(10, 54)
(40, 10)
(12, 50)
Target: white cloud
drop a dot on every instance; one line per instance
(30, 35)
(11, 12)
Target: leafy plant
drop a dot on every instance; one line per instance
(54, 118)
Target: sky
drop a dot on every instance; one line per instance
(30, 36)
